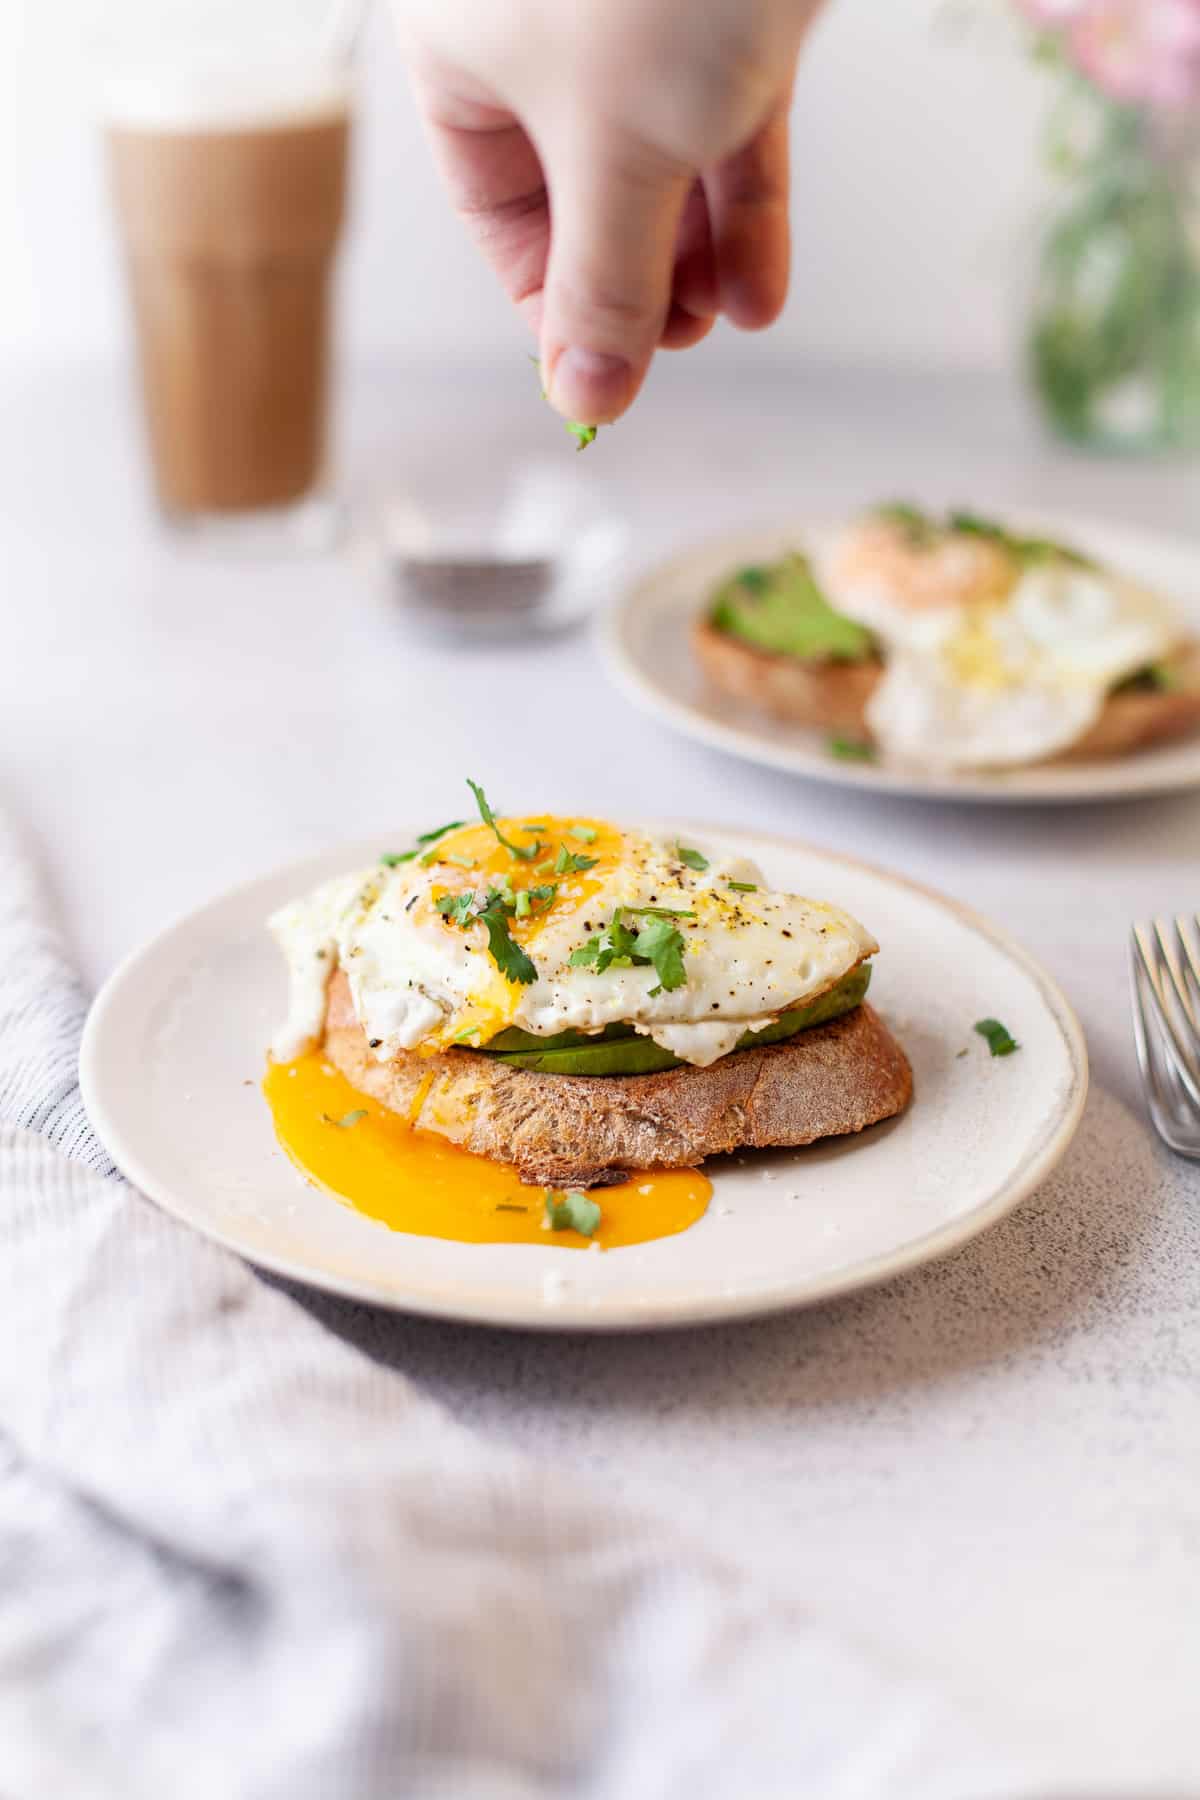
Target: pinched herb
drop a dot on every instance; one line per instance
(692, 859)
(1000, 1040)
(572, 1211)
(568, 863)
(657, 944)
(525, 853)
(583, 434)
(743, 887)
(848, 749)
(347, 1119)
(394, 858)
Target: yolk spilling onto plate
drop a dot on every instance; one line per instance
(415, 1181)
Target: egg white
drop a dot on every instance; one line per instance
(419, 981)
(1006, 681)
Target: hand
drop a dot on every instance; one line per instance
(623, 165)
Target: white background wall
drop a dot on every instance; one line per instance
(916, 178)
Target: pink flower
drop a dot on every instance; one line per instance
(1140, 52)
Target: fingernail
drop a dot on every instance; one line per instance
(590, 384)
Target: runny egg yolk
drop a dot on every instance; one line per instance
(418, 1182)
(472, 860)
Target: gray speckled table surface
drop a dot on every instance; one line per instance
(991, 1467)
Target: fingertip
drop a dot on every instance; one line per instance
(592, 386)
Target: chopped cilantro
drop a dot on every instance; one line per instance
(507, 955)
(585, 833)
(522, 904)
(394, 858)
(526, 853)
(657, 943)
(999, 1039)
(743, 887)
(916, 525)
(457, 907)
(347, 1119)
(848, 749)
(660, 912)
(568, 863)
(544, 896)
(572, 1211)
(692, 859)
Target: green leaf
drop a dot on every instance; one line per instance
(1000, 1041)
(916, 525)
(743, 887)
(848, 749)
(657, 943)
(660, 943)
(507, 955)
(572, 1211)
(526, 853)
(568, 863)
(394, 858)
(543, 895)
(692, 859)
(347, 1119)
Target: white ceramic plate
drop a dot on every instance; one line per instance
(174, 1050)
(647, 638)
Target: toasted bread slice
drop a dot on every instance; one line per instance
(829, 696)
(589, 1131)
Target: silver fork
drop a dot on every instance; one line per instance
(1165, 957)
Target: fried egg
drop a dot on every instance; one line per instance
(425, 970)
(991, 658)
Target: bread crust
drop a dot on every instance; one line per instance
(830, 696)
(589, 1131)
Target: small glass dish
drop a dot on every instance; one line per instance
(536, 556)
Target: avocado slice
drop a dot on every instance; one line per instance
(631, 1054)
(780, 608)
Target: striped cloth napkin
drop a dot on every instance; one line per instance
(239, 1559)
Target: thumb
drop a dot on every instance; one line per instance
(615, 209)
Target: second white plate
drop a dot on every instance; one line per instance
(174, 1051)
(648, 641)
